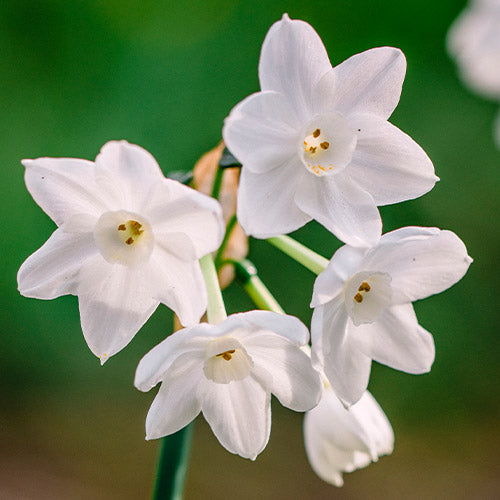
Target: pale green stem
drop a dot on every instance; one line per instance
(254, 286)
(258, 292)
(229, 229)
(299, 252)
(216, 312)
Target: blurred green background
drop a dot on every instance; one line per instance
(74, 75)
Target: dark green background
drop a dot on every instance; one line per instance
(74, 75)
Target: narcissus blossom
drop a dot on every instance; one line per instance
(339, 440)
(474, 42)
(363, 305)
(228, 371)
(315, 143)
(127, 239)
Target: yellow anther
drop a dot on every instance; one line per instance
(364, 287)
(358, 298)
(325, 145)
(122, 227)
(129, 241)
(316, 133)
(227, 355)
(135, 227)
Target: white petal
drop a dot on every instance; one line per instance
(176, 403)
(369, 82)
(129, 173)
(289, 327)
(342, 207)
(262, 131)
(239, 414)
(54, 268)
(331, 437)
(387, 163)
(346, 367)
(339, 440)
(294, 381)
(64, 187)
(185, 222)
(178, 284)
(341, 267)
(114, 304)
(395, 339)
(266, 205)
(376, 426)
(421, 265)
(153, 366)
(292, 60)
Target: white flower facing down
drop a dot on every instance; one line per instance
(228, 371)
(128, 239)
(339, 440)
(363, 305)
(315, 143)
(474, 41)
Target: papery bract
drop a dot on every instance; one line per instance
(315, 143)
(363, 305)
(338, 440)
(128, 239)
(228, 371)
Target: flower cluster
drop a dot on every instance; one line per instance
(314, 143)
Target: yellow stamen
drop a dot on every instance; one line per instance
(325, 145)
(227, 355)
(316, 133)
(129, 241)
(364, 287)
(358, 298)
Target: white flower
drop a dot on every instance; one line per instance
(315, 143)
(339, 440)
(128, 239)
(228, 371)
(474, 41)
(363, 311)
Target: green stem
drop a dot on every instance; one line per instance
(246, 273)
(217, 183)
(173, 463)
(299, 252)
(229, 229)
(216, 312)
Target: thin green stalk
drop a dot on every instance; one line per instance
(217, 183)
(229, 229)
(299, 252)
(173, 464)
(246, 273)
(216, 312)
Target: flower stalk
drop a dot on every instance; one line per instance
(173, 464)
(299, 252)
(246, 273)
(216, 312)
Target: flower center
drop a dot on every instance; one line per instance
(130, 231)
(123, 237)
(328, 144)
(366, 295)
(226, 360)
